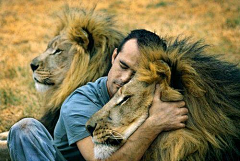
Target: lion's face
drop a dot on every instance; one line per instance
(120, 117)
(50, 68)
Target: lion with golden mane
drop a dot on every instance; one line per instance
(79, 53)
(210, 88)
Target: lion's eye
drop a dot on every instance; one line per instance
(124, 100)
(57, 51)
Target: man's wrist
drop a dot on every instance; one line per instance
(150, 126)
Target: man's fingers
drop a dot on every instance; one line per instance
(178, 126)
(182, 125)
(183, 111)
(157, 94)
(180, 104)
(183, 118)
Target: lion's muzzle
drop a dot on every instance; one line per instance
(34, 65)
(103, 134)
(91, 127)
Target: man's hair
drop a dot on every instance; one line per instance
(144, 38)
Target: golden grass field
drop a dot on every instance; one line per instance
(26, 26)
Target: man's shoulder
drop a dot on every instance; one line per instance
(93, 87)
(90, 91)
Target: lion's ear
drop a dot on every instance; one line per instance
(168, 93)
(80, 37)
(163, 70)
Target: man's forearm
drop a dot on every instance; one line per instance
(136, 144)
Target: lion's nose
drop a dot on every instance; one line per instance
(34, 64)
(34, 67)
(91, 127)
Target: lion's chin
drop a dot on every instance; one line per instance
(42, 87)
(102, 151)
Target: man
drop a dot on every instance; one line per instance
(29, 140)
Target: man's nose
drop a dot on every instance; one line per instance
(126, 77)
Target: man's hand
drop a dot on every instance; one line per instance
(166, 115)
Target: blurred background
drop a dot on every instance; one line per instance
(27, 26)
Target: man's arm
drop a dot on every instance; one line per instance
(133, 149)
(163, 116)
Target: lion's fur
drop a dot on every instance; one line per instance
(211, 90)
(93, 36)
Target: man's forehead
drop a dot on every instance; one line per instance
(131, 62)
(130, 54)
(130, 49)
(130, 45)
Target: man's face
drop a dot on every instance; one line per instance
(124, 65)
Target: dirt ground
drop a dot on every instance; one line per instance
(26, 26)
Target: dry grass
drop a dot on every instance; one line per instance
(26, 26)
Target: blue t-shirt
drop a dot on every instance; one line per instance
(75, 112)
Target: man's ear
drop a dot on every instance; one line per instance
(114, 55)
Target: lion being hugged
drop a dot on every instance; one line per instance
(210, 88)
(79, 53)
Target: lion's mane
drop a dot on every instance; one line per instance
(93, 36)
(211, 89)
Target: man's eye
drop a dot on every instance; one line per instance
(123, 66)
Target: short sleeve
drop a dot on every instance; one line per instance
(76, 112)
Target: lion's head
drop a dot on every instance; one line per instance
(210, 88)
(50, 68)
(79, 53)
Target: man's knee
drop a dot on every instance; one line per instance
(23, 126)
